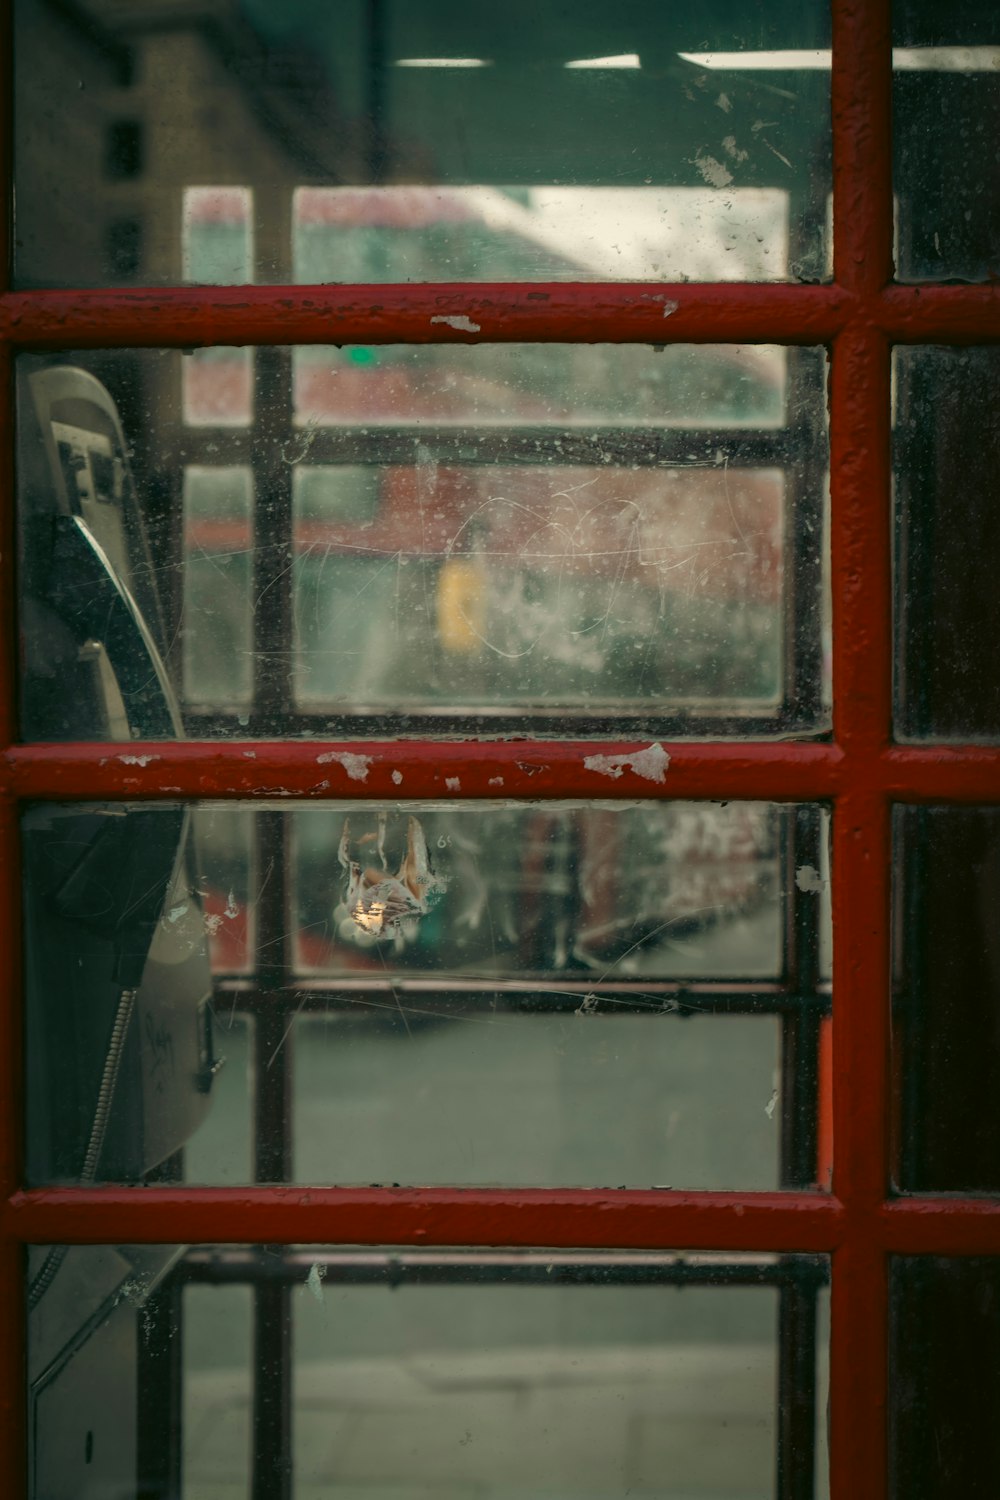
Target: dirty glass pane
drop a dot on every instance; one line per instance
(944, 1377)
(946, 117)
(468, 536)
(217, 576)
(422, 386)
(946, 451)
(536, 1373)
(453, 993)
(423, 141)
(946, 998)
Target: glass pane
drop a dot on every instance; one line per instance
(946, 998)
(530, 385)
(947, 447)
(421, 141)
(217, 578)
(465, 536)
(538, 1373)
(944, 1377)
(947, 112)
(558, 995)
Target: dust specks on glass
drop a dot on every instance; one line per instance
(402, 142)
(946, 446)
(946, 96)
(301, 542)
(482, 985)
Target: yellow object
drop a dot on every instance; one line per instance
(461, 605)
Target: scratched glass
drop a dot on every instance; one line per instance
(946, 95)
(469, 537)
(946, 452)
(420, 140)
(944, 1376)
(562, 1374)
(946, 999)
(451, 993)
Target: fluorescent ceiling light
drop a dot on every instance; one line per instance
(904, 59)
(758, 61)
(441, 62)
(621, 60)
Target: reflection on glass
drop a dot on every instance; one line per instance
(557, 1374)
(218, 660)
(391, 234)
(946, 451)
(420, 141)
(491, 586)
(531, 385)
(946, 1010)
(473, 534)
(947, 109)
(659, 890)
(453, 993)
(944, 1376)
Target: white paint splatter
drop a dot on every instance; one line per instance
(650, 763)
(712, 170)
(250, 755)
(459, 321)
(314, 1281)
(496, 781)
(771, 1104)
(669, 307)
(176, 912)
(732, 150)
(397, 777)
(453, 783)
(137, 760)
(356, 766)
(808, 879)
(724, 103)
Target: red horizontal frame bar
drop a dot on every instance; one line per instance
(401, 770)
(502, 312)
(580, 1218)
(422, 769)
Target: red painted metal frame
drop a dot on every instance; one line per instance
(860, 771)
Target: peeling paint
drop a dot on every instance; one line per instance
(356, 766)
(397, 777)
(808, 879)
(650, 763)
(137, 760)
(453, 783)
(712, 170)
(459, 321)
(496, 781)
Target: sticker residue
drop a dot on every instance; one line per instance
(650, 763)
(356, 766)
(459, 321)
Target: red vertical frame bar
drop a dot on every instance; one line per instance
(862, 662)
